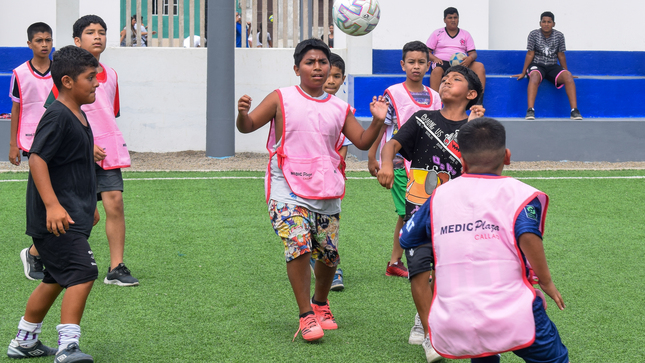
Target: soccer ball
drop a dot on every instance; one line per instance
(457, 58)
(356, 17)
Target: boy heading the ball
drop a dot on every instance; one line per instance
(61, 209)
(428, 142)
(444, 42)
(546, 48)
(485, 234)
(304, 182)
(405, 99)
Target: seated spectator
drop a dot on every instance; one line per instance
(445, 42)
(545, 48)
(133, 36)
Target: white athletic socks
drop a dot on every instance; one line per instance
(28, 333)
(67, 334)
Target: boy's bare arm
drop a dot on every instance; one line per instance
(532, 247)
(386, 174)
(14, 151)
(58, 220)
(372, 164)
(529, 58)
(261, 115)
(364, 139)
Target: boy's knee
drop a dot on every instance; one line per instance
(112, 201)
(437, 71)
(534, 77)
(477, 67)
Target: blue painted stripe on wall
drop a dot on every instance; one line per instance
(506, 97)
(596, 63)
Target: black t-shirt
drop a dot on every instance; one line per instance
(429, 141)
(67, 146)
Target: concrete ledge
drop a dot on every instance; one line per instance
(612, 140)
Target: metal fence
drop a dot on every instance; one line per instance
(156, 9)
(283, 22)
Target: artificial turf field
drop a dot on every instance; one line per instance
(214, 286)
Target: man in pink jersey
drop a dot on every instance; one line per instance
(445, 42)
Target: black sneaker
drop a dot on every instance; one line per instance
(530, 114)
(575, 114)
(73, 354)
(120, 276)
(37, 350)
(32, 265)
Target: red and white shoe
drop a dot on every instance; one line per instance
(310, 328)
(324, 316)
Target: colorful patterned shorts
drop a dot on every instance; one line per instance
(304, 231)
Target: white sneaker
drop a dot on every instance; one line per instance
(416, 334)
(431, 354)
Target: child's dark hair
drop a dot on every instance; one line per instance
(415, 46)
(306, 45)
(85, 21)
(482, 141)
(450, 11)
(473, 81)
(71, 61)
(39, 27)
(336, 61)
(549, 14)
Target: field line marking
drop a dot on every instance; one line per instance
(364, 178)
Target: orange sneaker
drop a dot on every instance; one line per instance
(310, 328)
(324, 316)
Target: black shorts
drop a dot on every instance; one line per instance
(107, 180)
(420, 259)
(550, 73)
(444, 66)
(68, 259)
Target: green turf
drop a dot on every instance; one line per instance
(214, 287)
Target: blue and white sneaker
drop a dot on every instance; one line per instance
(73, 354)
(37, 350)
(337, 284)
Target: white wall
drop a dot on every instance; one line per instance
(416, 20)
(586, 24)
(17, 15)
(162, 95)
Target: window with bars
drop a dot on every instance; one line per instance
(175, 6)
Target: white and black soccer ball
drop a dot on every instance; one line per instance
(356, 17)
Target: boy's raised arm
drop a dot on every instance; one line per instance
(58, 220)
(532, 247)
(265, 112)
(363, 139)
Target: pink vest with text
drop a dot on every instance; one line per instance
(34, 90)
(405, 106)
(100, 115)
(311, 137)
(482, 301)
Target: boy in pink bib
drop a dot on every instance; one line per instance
(486, 233)
(30, 85)
(304, 184)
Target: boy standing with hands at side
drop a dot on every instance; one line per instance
(405, 99)
(304, 184)
(61, 209)
(31, 82)
(429, 142)
(110, 150)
